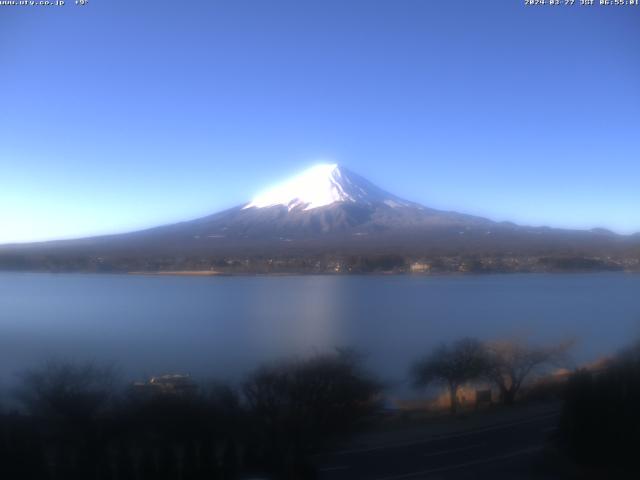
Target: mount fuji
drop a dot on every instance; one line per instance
(325, 216)
(324, 185)
(323, 205)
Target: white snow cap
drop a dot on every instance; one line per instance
(323, 185)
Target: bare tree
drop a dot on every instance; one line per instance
(512, 361)
(452, 365)
(300, 405)
(70, 391)
(323, 394)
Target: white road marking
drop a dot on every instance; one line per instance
(445, 437)
(472, 463)
(454, 450)
(333, 469)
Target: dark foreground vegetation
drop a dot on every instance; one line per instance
(77, 425)
(77, 421)
(600, 424)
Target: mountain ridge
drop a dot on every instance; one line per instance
(326, 214)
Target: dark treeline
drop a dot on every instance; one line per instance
(313, 264)
(76, 423)
(77, 420)
(600, 423)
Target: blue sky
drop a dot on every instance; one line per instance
(127, 114)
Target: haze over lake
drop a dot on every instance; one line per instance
(224, 326)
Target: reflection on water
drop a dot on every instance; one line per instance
(215, 326)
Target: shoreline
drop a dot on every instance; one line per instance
(210, 273)
(198, 273)
(180, 273)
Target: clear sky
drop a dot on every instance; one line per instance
(125, 114)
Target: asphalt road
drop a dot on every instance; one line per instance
(510, 450)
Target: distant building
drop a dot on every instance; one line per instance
(167, 385)
(418, 267)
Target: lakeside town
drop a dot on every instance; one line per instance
(324, 264)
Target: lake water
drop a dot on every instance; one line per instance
(223, 327)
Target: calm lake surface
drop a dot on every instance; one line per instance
(223, 327)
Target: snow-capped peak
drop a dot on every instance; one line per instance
(322, 185)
